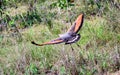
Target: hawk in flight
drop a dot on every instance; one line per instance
(71, 36)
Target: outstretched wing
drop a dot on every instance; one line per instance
(77, 25)
(56, 41)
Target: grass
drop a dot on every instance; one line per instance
(98, 51)
(93, 56)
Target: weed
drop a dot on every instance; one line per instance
(98, 51)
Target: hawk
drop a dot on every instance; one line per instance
(71, 36)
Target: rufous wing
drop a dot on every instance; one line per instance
(77, 25)
(56, 41)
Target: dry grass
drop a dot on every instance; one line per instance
(17, 11)
(98, 52)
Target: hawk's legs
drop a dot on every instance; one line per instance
(78, 45)
(71, 47)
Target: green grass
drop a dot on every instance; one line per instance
(95, 46)
(98, 51)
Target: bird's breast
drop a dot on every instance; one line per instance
(65, 36)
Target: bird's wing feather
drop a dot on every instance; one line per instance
(77, 25)
(56, 41)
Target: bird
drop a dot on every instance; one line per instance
(70, 37)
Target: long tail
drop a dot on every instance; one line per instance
(36, 43)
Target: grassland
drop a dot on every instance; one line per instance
(98, 52)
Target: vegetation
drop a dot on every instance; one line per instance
(22, 21)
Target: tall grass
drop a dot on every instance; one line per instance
(98, 51)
